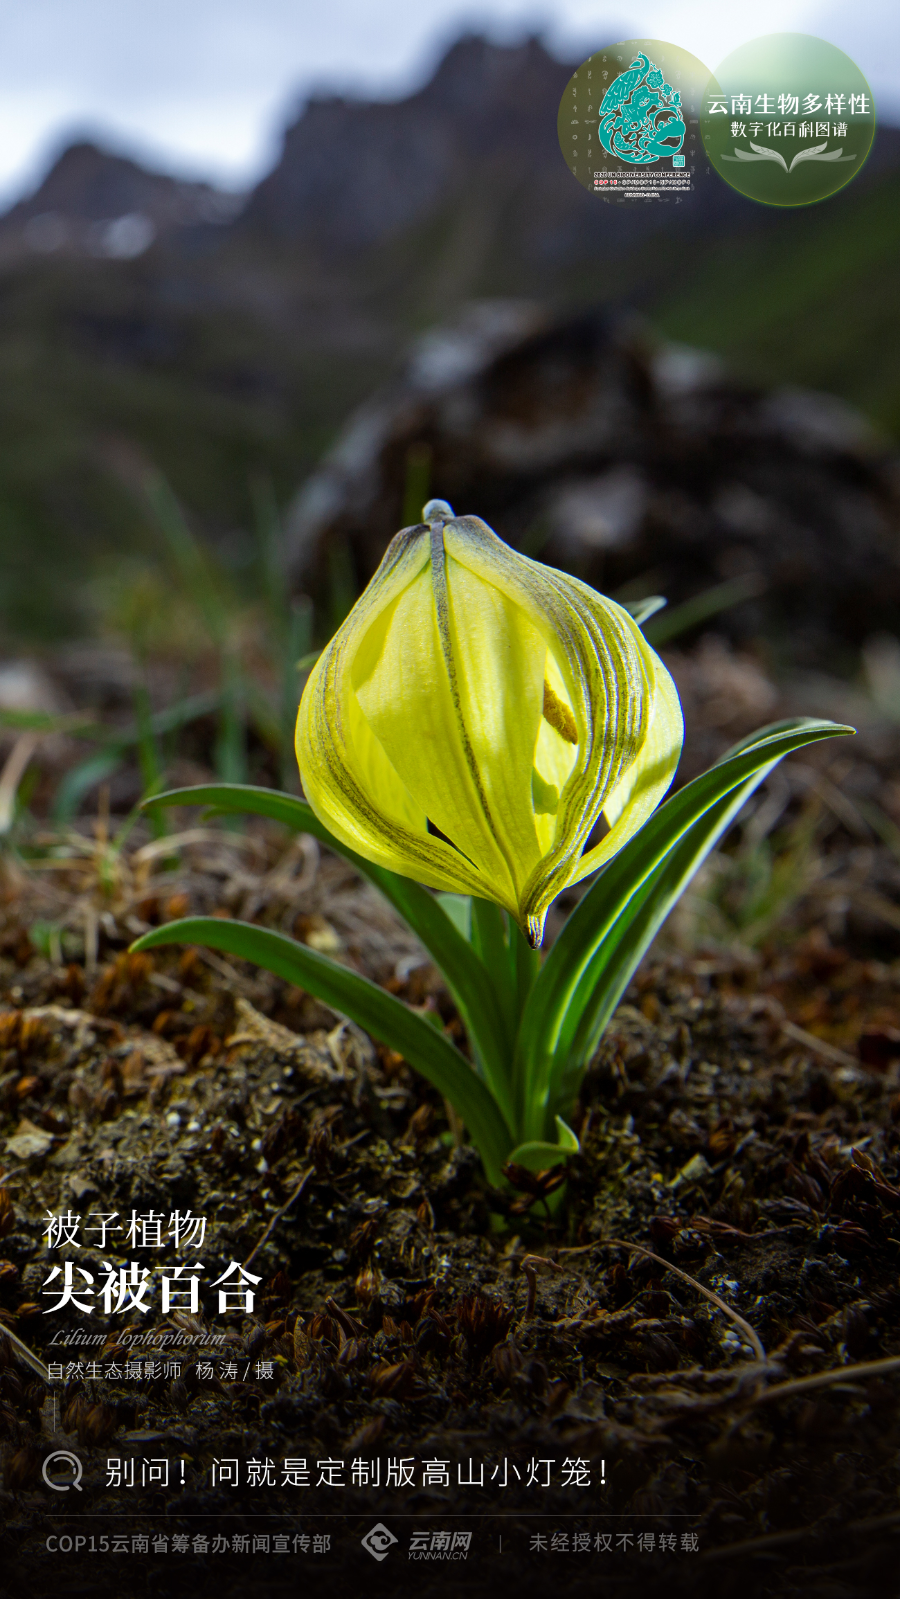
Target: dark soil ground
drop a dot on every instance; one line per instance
(708, 1325)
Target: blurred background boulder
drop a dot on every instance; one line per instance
(640, 465)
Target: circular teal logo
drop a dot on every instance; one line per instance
(628, 122)
(787, 119)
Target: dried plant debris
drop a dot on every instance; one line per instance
(712, 1310)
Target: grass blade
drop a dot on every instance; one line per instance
(200, 578)
(680, 618)
(80, 779)
(230, 752)
(642, 610)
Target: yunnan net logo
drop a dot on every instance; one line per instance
(640, 118)
(378, 1541)
(440, 1545)
(423, 1545)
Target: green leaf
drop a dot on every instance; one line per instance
(466, 977)
(609, 973)
(607, 934)
(459, 909)
(385, 1017)
(538, 1155)
(527, 962)
(490, 941)
(511, 964)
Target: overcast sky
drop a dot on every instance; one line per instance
(204, 87)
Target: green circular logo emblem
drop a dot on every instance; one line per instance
(787, 120)
(629, 121)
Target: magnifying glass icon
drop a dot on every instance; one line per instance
(70, 1460)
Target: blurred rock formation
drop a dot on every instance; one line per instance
(640, 465)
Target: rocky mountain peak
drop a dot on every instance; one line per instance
(475, 72)
(96, 202)
(355, 172)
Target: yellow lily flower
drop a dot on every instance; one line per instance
(477, 713)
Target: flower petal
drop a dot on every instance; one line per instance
(477, 712)
(606, 666)
(646, 782)
(404, 692)
(346, 775)
(499, 659)
(554, 757)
